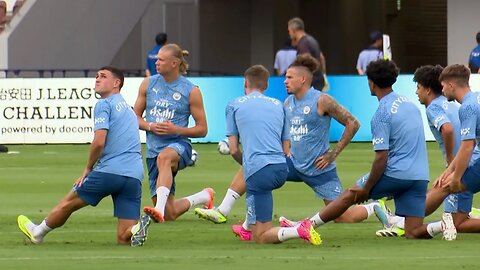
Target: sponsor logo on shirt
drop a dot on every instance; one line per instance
(99, 120)
(162, 115)
(376, 141)
(298, 131)
(464, 131)
(162, 110)
(296, 120)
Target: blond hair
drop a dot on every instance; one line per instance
(178, 53)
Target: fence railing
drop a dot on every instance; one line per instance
(79, 73)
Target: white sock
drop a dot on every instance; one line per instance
(316, 220)
(134, 227)
(285, 234)
(434, 228)
(198, 198)
(245, 225)
(228, 202)
(162, 196)
(369, 208)
(397, 221)
(40, 230)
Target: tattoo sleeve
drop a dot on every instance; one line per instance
(344, 117)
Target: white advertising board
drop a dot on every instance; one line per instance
(51, 110)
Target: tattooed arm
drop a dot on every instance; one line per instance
(327, 105)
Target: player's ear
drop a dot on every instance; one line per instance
(116, 83)
(370, 84)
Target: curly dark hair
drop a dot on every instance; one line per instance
(428, 76)
(382, 73)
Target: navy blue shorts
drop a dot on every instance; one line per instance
(259, 191)
(459, 202)
(471, 177)
(326, 185)
(184, 150)
(126, 192)
(409, 195)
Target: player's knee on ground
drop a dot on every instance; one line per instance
(411, 235)
(170, 214)
(259, 240)
(459, 218)
(259, 237)
(170, 217)
(414, 234)
(123, 238)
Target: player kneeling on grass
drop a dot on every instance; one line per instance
(400, 167)
(118, 172)
(263, 159)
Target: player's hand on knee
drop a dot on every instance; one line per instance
(360, 194)
(455, 185)
(439, 183)
(79, 181)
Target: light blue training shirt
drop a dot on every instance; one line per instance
(308, 131)
(122, 154)
(397, 127)
(258, 120)
(470, 117)
(439, 112)
(167, 101)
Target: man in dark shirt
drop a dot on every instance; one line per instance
(160, 39)
(306, 44)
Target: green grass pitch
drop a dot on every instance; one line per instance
(35, 179)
